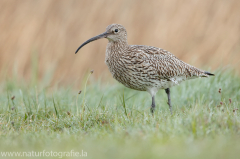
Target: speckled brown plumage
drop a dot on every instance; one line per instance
(144, 68)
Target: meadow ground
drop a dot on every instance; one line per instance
(111, 121)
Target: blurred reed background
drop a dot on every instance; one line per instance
(39, 37)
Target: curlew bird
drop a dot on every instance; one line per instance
(144, 68)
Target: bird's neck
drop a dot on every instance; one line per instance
(117, 47)
(114, 51)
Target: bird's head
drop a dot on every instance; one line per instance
(114, 33)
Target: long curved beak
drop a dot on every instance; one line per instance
(103, 35)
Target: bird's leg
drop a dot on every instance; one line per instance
(169, 99)
(153, 105)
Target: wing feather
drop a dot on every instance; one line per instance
(160, 63)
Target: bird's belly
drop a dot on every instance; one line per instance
(139, 80)
(143, 83)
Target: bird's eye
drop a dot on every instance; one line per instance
(116, 30)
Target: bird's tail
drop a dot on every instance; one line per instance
(208, 73)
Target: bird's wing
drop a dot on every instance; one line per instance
(161, 63)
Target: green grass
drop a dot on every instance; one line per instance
(111, 121)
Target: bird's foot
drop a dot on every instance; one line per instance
(152, 109)
(170, 107)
